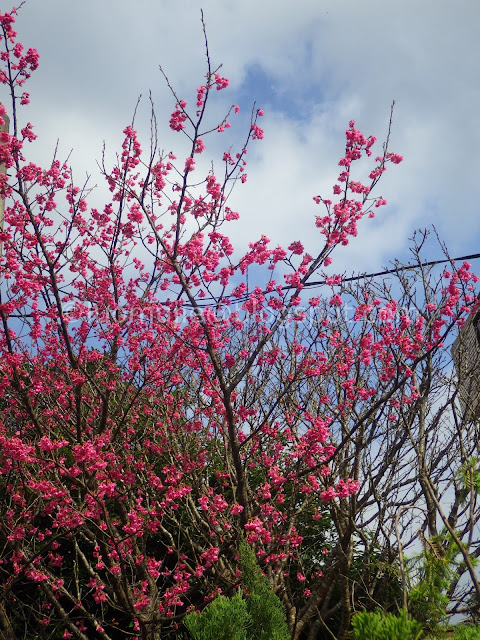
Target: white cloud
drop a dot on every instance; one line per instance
(321, 64)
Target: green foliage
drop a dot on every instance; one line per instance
(469, 476)
(265, 609)
(253, 614)
(385, 626)
(467, 632)
(427, 599)
(223, 619)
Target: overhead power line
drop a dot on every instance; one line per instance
(394, 270)
(317, 283)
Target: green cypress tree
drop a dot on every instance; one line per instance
(254, 612)
(265, 609)
(223, 619)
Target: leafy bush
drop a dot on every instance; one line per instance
(223, 619)
(259, 616)
(264, 607)
(467, 632)
(429, 575)
(385, 626)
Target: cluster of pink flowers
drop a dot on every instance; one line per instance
(178, 117)
(343, 489)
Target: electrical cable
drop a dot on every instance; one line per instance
(205, 301)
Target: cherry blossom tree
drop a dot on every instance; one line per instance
(165, 396)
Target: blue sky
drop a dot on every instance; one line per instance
(312, 68)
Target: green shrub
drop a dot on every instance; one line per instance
(253, 614)
(427, 598)
(385, 626)
(467, 632)
(265, 609)
(223, 619)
